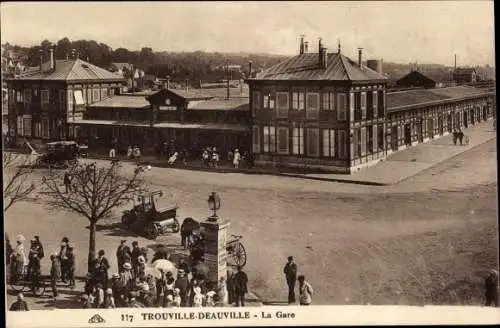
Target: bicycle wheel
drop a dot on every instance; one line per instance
(18, 286)
(239, 255)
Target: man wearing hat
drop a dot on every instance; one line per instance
(290, 271)
(65, 262)
(240, 286)
(491, 288)
(182, 284)
(102, 266)
(20, 304)
(136, 252)
(122, 253)
(126, 278)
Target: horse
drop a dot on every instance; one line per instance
(189, 225)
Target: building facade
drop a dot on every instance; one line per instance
(318, 110)
(44, 100)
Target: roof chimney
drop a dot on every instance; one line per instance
(41, 60)
(250, 69)
(360, 56)
(52, 61)
(338, 46)
(324, 58)
(306, 46)
(301, 50)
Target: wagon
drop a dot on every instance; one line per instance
(59, 154)
(145, 218)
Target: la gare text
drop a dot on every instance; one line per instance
(215, 315)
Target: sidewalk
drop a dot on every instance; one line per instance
(411, 161)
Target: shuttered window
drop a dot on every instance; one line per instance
(298, 100)
(20, 131)
(282, 104)
(283, 140)
(256, 139)
(363, 105)
(269, 139)
(44, 96)
(313, 142)
(79, 97)
(342, 146)
(255, 100)
(312, 105)
(27, 125)
(341, 106)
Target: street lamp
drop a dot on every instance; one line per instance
(213, 205)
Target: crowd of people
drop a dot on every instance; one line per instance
(138, 284)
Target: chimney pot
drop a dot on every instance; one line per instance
(306, 46)
(52, 61)
(301, 49)
(250, 69)
(360, 56)
(324, 58)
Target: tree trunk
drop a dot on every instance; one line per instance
(91, 257)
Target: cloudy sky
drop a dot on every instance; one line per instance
(397, 31)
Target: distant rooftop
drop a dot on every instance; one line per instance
(69, 70)
(120, 101)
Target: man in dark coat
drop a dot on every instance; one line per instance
(290, 271)
(122, 253)
(65, 262)
(182, 283)
(102, 267)
(136, 252)
(491, 288)
(67, 181)
(240, 286)
(20, 304)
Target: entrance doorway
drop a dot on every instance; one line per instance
(472, 116)
(466, 119)
(407, 133)
(430, 128)
(440, 125)
(450, 123)
(420, 130)
(485, 113)
(394, 138)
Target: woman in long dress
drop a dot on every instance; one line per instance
(20, 258)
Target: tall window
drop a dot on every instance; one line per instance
(27, 125)
(352, 102)
(369, 105)
(363, 141)
(313, 142)
(369, 139)
(96, 95)
(375, 104)
(27, 96)
(328, 143)
(256, 139)
(38, 130)
(381, 102)
(269, 139)
(79, 97)
(104, 93)
(44, 95)
(268, 102)
(282, 104)
(298, 141)
(357, 143)
(19, 96)
(20, 126)
(312, 105)
(283, 140)
(328, 101)
(363, 105)
(298, 100)
(45, 128)
(255, 101)
(342, 144)
(341, 106)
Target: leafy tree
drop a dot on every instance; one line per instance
(95, 193)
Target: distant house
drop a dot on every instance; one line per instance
(465, 75)
(416, 79)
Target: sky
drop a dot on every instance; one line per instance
(396, 31)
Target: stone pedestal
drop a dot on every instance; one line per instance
(215, 238)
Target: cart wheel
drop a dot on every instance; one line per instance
(151, 231)
(176, 226)
(239, 255)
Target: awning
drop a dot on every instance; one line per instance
(206, 126)
(168, 125)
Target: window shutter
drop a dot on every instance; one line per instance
(332, 143)
(400, 133)
(363, 105)
(375, 138)
(352, 144)
(363, 141)
(256, 139)
(351, 106)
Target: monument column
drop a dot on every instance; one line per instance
(215, 239)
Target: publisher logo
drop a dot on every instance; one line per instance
(96, 319)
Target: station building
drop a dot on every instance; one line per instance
(325, 111)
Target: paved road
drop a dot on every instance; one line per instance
(356, 244)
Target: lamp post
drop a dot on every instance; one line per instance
(213, 205)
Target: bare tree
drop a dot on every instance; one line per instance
(16, 172)
(94, 193)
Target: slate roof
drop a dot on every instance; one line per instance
(69, 70)
(403, 99)
(122, 102)
(306, 67)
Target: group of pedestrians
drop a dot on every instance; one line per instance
(459, 136)
(305, 289)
